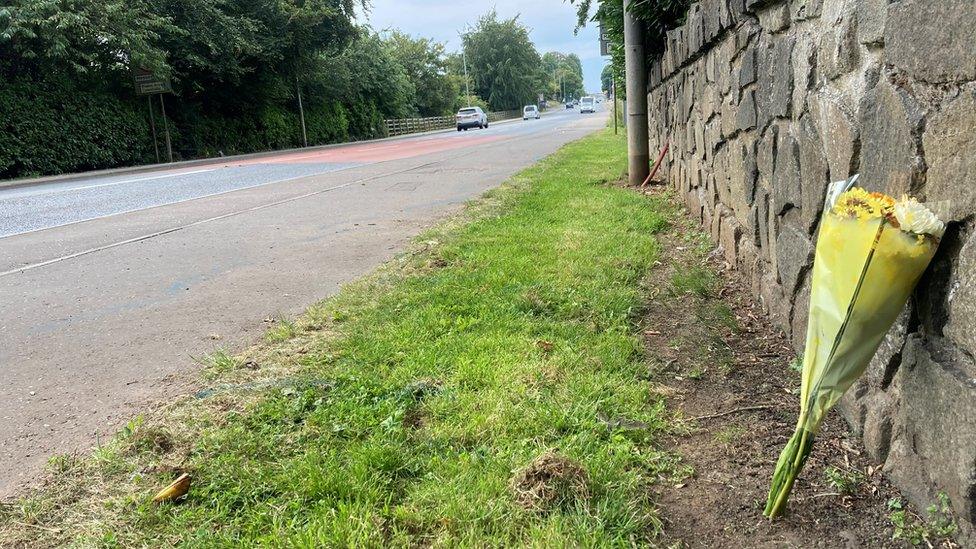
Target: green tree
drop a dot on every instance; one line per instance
(564, 75)
(503, 62)
(606, 79)
(426, 66)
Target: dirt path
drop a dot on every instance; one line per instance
(717, 359)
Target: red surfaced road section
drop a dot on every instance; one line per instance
(377, 152)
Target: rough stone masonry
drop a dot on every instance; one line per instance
(766, 102)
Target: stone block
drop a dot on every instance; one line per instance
(716, 229)
(781, 72)
(712, 14)
(745, 118)
(890, 120)
(932, 41)
(950, 151)
(801, 311)
(804, 61)
(962, 296)
(747, 68)
(839, 51)
(693, 203)
(774, 301)
(742, 175)
(840, 135)
(787, 190)
(871, 17)
(814, 175)
(805, 9)
(933, 444)
(775, 18)
(794, 252)
(729, 115)
(749, 265)
(766, 153)
(729, 235)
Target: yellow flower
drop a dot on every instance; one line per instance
(860, 204)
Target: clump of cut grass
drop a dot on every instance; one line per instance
(426, 390)
(551, 481)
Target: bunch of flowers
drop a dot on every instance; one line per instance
(871, 251)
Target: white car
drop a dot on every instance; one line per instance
(531, 111)
(471, 117)
(587, 104)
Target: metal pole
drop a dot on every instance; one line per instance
(637, 134)
(613, 92)
(169, 145)
(301, 112)
(152, 124)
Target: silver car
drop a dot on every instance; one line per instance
(471, 117)
(531, 111)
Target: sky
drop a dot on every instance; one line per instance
(550, 23)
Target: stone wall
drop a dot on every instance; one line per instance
(764, 103)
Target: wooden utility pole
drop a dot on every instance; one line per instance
(637, 147)
(301, 112)
(169, 144)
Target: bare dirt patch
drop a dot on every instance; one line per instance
(726, 371)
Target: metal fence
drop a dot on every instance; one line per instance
(403, 126)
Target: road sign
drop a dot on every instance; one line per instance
(604, 42)
(147, 83)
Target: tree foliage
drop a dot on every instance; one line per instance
(564, 75)
(503, 62)
(426, 65)
(657, 16)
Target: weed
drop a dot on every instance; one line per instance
(844, 481)
(940, 524)
(730, 434)
(283, 330)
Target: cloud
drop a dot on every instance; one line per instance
(550, 22)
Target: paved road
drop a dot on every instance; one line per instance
(110, 284)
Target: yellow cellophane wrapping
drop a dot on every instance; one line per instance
(843, 250)
(864, 271)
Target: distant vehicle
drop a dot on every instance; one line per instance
(587, 104)
(471, 117)
(531, 111)
(569, 104)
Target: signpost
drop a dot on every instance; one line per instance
(604, 52)
(604, 43)
(147, 83)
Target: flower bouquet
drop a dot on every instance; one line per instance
(870, 254)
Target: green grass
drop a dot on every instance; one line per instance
(420, 399)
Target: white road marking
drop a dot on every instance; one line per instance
(109, 184)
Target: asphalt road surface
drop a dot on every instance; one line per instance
(110, 285)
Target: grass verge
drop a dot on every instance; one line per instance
(484, 389)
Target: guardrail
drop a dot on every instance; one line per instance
(404, 126)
